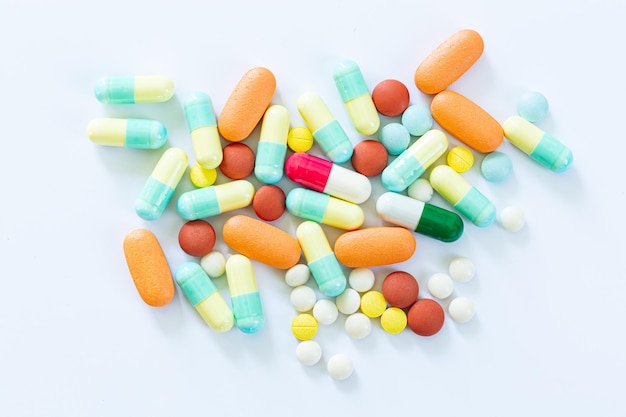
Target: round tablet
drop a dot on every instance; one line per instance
(238, 161)
(369, 158)
(440, 285)
(214, 264)
(390, 97)
(417, 119)
(304, 326)
(299, 139)
(303, 298)
(496, 167)
(196, 237)
(461, 309)
(421, 190)
(269, 202)
(395, 138)
(532, 106)
(297, 275)
(461, 269)
(202, 177)
(373, 304)
(400, 289)
(460, 159)
(325, 311)
(308, 352)
(361, 279)
(393, 320)
(425, 317)
(348, 301)
(358, 325)
(512, 218)
(340, 366)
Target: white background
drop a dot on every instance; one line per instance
(75, 338)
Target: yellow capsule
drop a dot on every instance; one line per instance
(129, 133)
(244, 295)
(134, 89)
(270, 153)
(203, 129)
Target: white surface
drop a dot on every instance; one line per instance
(76, 340)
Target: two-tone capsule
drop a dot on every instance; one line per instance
(160, 186)
(214, 200)
(204, 296)
(128, 133)
(205, 138)
(412, 163)
(539, 145)
(134, 89)
(322, 208)
(244, 295)
(421, 217)
(272, 146)
(463, 196)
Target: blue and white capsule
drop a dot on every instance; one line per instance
(205, 138)
(128, 133)
(134, 89)
(272, 147)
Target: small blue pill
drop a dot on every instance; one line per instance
(417, 119)
(395, 138)
(496, 167)
(532, 106)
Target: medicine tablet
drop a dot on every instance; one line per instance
(512, 218)
(461, 269)
(202, 177)
(348, 301)
(374, 246)
(417, 119)
(303, 298)
(373, 304)
(214, 264)
(460, 159)
(361, 279)
(532, 106)
(269, 202)
(400, 289)
(340, 366)
(496, 167)
(196, 237)
(425, 317)
(390, 97)
(308, 352)
(297, 275)
(369, 158)
(325, 311)
(393, 320)
(420, 190)
(299, 139)
(461, 310)
(304, 326)
(358, 325)
(395, 138)
(440, 285)
(238, 161)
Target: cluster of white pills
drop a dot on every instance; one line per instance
(441, 286)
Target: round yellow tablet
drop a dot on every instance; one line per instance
(304, 326)
(393, 320)
(373, 304)
(202, 177)
(460, 159)
(299, 139)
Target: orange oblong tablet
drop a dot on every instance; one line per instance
(148, 267)
(247, 104)
(449, 61)
(261, 241)
(374, 246)
(466, 121)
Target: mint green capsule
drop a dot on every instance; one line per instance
(134, 89)
(214, 200)
(244, 295)
(129, 133)
(322, 208)
(272, 147)
(205, 138)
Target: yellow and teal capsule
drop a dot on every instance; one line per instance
(326, 130)
(134, 89)
(244, 295)
(204, 296)
(129, 133)
(463, 196)
(322, 208)
(214, 200)
(356, 97)
(414, 161)
(320, 259)
(205, 138)
(539, 145)
(160, 187)
(272, 147)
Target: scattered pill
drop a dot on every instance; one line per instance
(269, 202)
(395, 138)
(361, 279)
(373, 304)
(214, 264)
(134, 89)
(214, 200)
(460, 159)
(391, 97)
(461, 310)
(325, 312)
(297, 275)
(393, 320)
(496, 167)
(369, 158)
(308, 352)
(421, 190)
(202, 125)
(461, 269)
(238, 161)
(440, 285)
(425, 317)
(303, 298)
(356, 97)
(244, 295)
(202, 177)
(532, 106)
(304, 326)
(400, 289)
(512, 218)
(358, 325)
(299, 139)
(196, 237)
(374, 246)
(129, 133)
(417, 119)
(340, 366)
(348, 302)
(325, 209)
(272, 145)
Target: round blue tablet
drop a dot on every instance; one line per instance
(417, 119)
(532, 106)
(496, 167)
(395, 138)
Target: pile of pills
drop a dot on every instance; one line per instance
(327, 193)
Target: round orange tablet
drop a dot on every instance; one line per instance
(425, 317)
(374, 246)
(390, 97)
(369, 158)
(238, 161)
(196, 237)
(269, 202)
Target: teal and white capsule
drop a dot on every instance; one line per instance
(322, 208)
(205, 138)
(463, 196)
(539, 145)
(272, 147)
(414, 161)
(356, 97)
(159, 188)
(134, 89)
(214, 200)
(202, 293)
(424, 218)
(128, 133)
(244, 295)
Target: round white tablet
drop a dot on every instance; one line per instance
(440, 285)
(512, 218)
(348, 301)
(362, 279)
(420, 190)
(358, 325)
(340, 366)
(461, 309)
(461, 269)
(308, 352)
(297, 275)
(303, 298)
(325, 311)
(214, 264)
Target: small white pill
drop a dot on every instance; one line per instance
(348, 301)
(440, 285)
(461, 309)
(214, 264)
(325, 311)
(340, 366)
(420, 190)
(297, 275)
(361, 279)
(512, 218)
(308, 352)
(358, 325)
(461, 269)
(303, 298)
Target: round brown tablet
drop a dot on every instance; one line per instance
(400, 289)
(269, 202)
(390, 97)
(238, 161)
(425, 317)
(369, 158)
(196, 238)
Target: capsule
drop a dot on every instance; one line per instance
(128, 133)
(159, 188)
(214, 200)
(326, 130)
(463, 196)
(356, 97)
(539, 145)
(204, 296)
(322, 208)
(421, 217)
(321, 259)
(321, 175)
(203, 129)
(412, 163)
(244, 295)
(272, 146)
(131, 89)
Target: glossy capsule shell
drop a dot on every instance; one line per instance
(205, 138)
(539, 145)
(160, 186)
(374, 246)
(134, 89)
(463, 196)
(128, 133)
(322, 208)
(414, 161)
(203, 295)
(320, 259)
(356, 97)
(244, 295)
(214, 200)
(325, 177)
(326, 130)
(421, 217)
(272, 146)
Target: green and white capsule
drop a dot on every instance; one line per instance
(128, 133)
(205, 138)
(134, 89)
(272, 147)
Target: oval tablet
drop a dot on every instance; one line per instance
(247, 103)
(466, 121)
(148, 267)
(449, 61)
(261, 241)
(374, 246)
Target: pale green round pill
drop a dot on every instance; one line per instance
(496, 167)
(532, 106)
(395, 138)
(417, 119)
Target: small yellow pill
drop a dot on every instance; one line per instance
(299, 139)
(393, 320)
(202, 177)
(460, 159)
(304, 326)
(373, 304)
